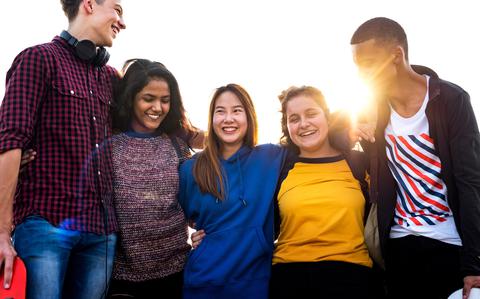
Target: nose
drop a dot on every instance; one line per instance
(303, 123)
(121, 23)
(228, 117)
(157, 106)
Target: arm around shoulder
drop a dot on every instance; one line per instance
(186, 179)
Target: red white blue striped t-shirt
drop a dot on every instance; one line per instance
(422, 207)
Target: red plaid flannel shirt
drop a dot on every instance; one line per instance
(58, 105)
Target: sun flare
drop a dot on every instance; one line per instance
(352, 96)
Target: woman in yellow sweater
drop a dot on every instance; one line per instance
(320, 251)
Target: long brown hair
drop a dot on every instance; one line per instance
(207, 170)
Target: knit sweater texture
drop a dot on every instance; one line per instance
(153, 231)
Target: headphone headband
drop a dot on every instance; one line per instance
(72, 41)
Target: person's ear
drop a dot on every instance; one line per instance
(88, 5)
(398, 55)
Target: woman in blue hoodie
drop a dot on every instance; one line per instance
(227, 190)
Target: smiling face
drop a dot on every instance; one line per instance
(229, 121)
(107, 21)
(151, 106)
(307, 126)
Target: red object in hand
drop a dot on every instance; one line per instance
(19, 281)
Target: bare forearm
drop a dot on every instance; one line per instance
(9, 167)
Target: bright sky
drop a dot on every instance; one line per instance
(266, 46)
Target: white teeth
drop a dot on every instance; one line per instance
(229, 129)
(154, 117)
(307, 133)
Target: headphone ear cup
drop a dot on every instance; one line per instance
(86, 50)
(101, 58)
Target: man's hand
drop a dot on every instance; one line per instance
(198, 139)
(27, 157)
(361, 131)
(7, 255)
(470, 282)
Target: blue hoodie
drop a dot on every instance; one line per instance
(234, 258)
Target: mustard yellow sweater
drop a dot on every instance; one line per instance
(321, 210)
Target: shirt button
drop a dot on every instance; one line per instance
(94, 118)
(99, 173)
(96, 145)
(91, 91)
(72, 92)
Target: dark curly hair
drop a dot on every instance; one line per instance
(137, 73)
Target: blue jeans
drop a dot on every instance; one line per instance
(63, 263)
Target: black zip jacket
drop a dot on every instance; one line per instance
(454, 129)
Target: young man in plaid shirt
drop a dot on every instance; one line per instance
(57, 102)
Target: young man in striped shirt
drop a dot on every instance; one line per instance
(425, 168)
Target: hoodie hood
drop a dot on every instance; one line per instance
(241, 152)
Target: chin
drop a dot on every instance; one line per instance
(230, 140)
(107, 42)
(310, 147)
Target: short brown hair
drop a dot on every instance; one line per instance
(70, 7)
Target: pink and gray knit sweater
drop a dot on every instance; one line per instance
(152, 238)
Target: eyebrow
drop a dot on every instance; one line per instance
(292, 115)
(153, 95)
(222, 107)
(148, 95)
(120, 8)
(313, 109)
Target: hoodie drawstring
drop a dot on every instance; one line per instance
(242, 185)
